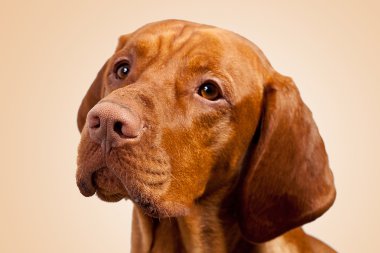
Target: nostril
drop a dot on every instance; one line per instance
(111, 125)
(118, 128)
(94, 122)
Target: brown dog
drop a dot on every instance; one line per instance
(214, 147)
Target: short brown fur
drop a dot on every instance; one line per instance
(239, 174)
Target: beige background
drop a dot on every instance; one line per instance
(51, 50)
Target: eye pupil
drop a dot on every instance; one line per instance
(209, 91)
(122, 71)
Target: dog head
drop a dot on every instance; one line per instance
(181, 110)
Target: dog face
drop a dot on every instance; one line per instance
(178, 112)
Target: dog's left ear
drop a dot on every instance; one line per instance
(286, 181)
(93, 95)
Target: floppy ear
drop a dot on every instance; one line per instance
(286, 180)
(93, 95)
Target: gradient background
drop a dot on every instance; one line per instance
(51, 50)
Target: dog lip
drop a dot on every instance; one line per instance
(85, 183)
(86, 188)
(103, 191)
(109, 197)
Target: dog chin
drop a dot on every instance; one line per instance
(152, 208)
(110, 197)
(160, 209)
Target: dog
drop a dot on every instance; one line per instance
(215, 148)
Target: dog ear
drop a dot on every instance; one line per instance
(286, 181)
(93, 95)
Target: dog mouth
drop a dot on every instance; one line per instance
(102, 182)
(108, 187)
(142, 177)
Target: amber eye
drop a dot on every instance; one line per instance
(209, 91)
(122, 70)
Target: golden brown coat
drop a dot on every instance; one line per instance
(239, 173)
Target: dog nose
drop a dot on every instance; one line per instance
(112, 125)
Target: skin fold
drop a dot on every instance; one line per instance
(215, 148)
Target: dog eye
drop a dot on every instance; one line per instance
(122, 70)
(209, 91)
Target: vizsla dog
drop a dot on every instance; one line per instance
(215, 148)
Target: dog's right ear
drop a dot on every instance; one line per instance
(93, 95)
(287, 180)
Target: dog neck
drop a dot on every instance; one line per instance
(209, 227)
(200, 231)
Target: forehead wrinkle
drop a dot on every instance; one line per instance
(202, 63)
(160, 42)
(145, 47)
(174, 43)
(181, 41)
(205, 53)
